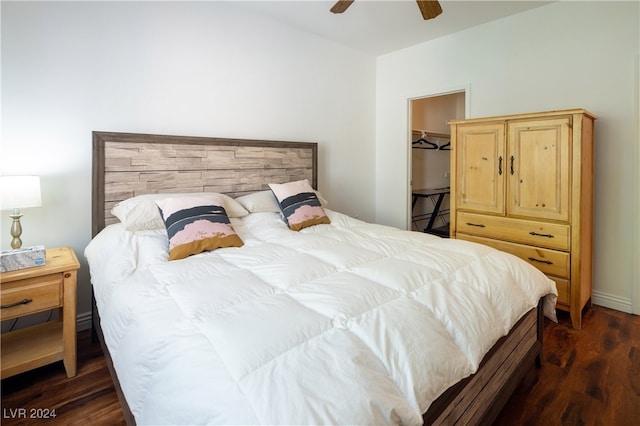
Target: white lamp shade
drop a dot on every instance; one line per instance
(17, 192)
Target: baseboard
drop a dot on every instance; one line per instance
(83, 321)
(610, 301)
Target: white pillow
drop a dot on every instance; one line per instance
(141, 213)
(265, 201)
(261, 201)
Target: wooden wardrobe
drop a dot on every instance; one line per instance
(524, 184)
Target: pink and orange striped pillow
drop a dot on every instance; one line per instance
(299, 204)
(196, 224)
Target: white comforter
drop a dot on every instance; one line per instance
(348, 323)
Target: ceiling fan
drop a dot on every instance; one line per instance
(429, 9)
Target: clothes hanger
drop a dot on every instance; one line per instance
(446, 146)
(423, 140)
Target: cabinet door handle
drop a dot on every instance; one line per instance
(512, 164)
(11, 305)
(535, 234)
(548, 262)
(479, 225)
(500, 165)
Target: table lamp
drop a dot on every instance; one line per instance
(18, 192)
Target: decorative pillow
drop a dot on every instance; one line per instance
(265, 201)
(299, 204)
(141, 213)
(196, 224)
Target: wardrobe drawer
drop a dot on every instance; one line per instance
(564, 291)
(540, 234)
(551, 262)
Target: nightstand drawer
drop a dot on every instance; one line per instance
(31, 295)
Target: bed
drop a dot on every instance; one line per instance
(339, 322)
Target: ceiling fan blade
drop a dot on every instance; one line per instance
(429, 9)
(341, 6)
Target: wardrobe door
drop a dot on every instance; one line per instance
(538, 168)
(480, 167)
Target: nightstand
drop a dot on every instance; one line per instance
(37, 289)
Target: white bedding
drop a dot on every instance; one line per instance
(347, 323)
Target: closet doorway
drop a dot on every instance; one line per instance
(430, 157)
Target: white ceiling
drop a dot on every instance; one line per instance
(382, 26)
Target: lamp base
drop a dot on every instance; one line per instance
(16, 230)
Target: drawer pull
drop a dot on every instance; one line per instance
(500, 165)
(535, 234)
(11, 305)
(548, 262)
(479, 225)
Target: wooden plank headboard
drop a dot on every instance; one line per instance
(130, 164)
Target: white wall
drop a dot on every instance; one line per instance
(558, 56)
(198, 68)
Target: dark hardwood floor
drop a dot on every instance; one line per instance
(89, 398)
(588, 377)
